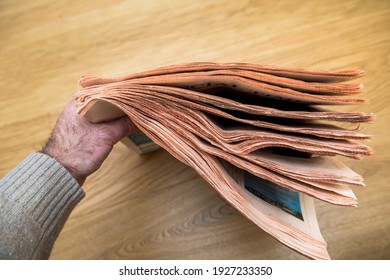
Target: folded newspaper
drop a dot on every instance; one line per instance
(256, 133)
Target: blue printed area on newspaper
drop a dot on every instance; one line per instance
(283, 198)
(140, 139)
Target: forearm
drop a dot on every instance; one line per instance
(38, 195)
(36, 198)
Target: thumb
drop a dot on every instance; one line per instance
(120, 128)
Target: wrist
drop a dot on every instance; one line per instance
(64, 161)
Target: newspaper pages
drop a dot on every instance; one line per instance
(254, 132)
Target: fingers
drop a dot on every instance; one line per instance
(111, 131)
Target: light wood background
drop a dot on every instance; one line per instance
(152, 206)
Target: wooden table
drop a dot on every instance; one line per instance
(152, 206)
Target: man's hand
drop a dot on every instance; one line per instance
(81, 146)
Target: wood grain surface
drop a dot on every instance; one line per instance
(152, 206)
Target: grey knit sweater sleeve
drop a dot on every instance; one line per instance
(36, 198)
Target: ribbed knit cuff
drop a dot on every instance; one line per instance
(38, 193)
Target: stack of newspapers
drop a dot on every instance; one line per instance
(260, 135)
